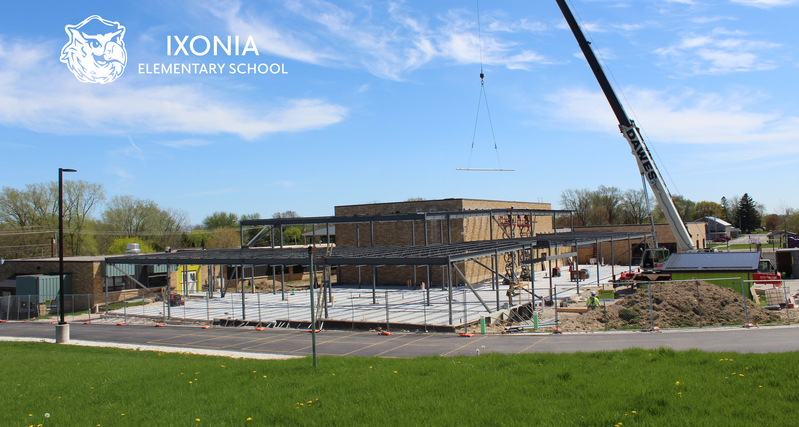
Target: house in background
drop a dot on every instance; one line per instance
(716, 227)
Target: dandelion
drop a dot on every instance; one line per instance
(264, 376)
(249, 419)
(254, 372)
(741, 374)
(396, 371)
(730, 360)
(678, 383)
(122, 415)
(726, 378)
(369, 368)
(679, 394)
(197, 419)
(30, 415)
(634, 412)
(761, 386)
(733, 373)
(626, 415)
(223, 366)
(47, 415)
(310, 401)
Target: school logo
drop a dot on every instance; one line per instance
(95, 52)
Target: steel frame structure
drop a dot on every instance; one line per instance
(443, 255)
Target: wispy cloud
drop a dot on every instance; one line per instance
(765, 4)
(688, 117)
(185, 143)
(133, 151)
(388, 43)
(14, 145)
(37, 94)
(720, 51)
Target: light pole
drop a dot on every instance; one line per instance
(62, 329)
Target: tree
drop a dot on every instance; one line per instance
(134, 217)
(224, 238)
(37, 206)
(685, 207)
(171, 224)
(131, 215)
(197, 238)
(121, 244)
(771, 222)
(706, 208)
(634, 207)
(578, 201)
(415, 199)
(791, 221)
(748, 216)
(609, 199)
(286, 214)
(220, 220)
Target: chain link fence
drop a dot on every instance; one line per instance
(681, 304)
(642, 306)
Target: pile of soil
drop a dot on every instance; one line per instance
(674, 304)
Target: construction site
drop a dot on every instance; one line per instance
(420, 267)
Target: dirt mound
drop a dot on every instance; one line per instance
(674, 304)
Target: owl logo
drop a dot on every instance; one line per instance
(95, 52)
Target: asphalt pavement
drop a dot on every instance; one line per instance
(293, 342)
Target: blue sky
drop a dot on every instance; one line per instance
(378, 101)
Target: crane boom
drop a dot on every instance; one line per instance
(646, 165)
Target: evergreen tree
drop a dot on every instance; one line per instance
(747, 214)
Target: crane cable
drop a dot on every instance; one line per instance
(483, 95)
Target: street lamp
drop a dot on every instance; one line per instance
(62, 329)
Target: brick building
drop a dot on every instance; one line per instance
(621, 249)
(460, 220)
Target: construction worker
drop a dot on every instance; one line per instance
(593, 301)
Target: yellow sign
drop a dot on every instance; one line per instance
(606, 295)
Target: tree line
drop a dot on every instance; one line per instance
(94, 225)
(611, 205)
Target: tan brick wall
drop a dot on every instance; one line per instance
(399, 234)
(620, 250)
(86, 275)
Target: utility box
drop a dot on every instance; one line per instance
(41, 288)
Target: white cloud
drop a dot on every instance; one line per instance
(689, 117)
(37, 93)
(721, 51)
(387, 46)
(765, 4)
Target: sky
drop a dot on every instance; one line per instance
(328, 103)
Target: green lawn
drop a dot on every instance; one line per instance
(82, 386)
(723, 246)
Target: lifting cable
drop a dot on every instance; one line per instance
(483, 96)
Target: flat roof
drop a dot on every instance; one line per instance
(435, 254)
(712, 261)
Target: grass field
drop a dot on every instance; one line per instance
(82, 386)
